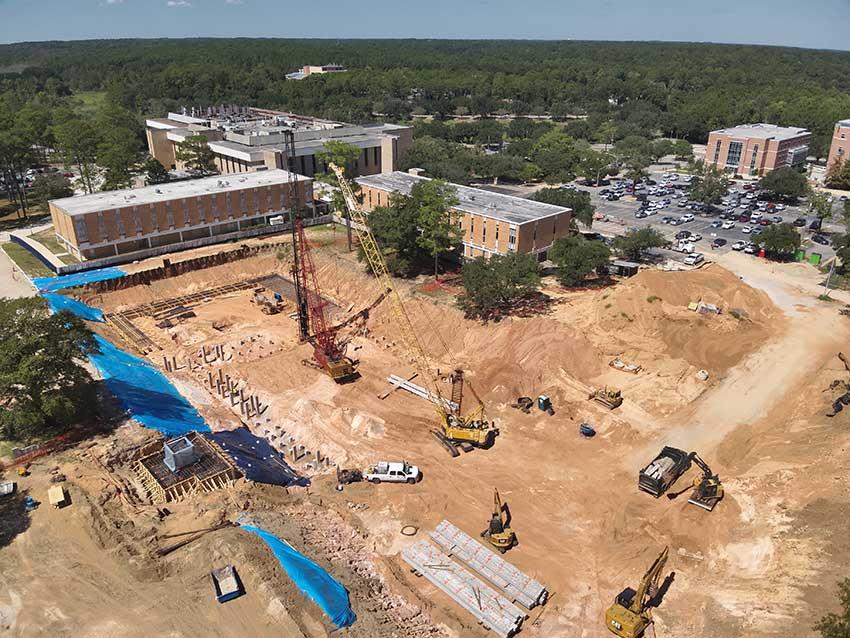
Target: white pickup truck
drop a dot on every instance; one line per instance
(392, 472)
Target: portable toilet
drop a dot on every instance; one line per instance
(179, 453)
(815, 259)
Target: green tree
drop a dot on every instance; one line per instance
(579, 201)
(594, 166)
(683, 150)
(396, 229)
(784, 183)
(345, 156)
(119, 153)
(606, 133)
(47, 186)
(43, 387)
(15, 157)
(820, 203)
(662, 148)
(780, 241)
(438, 220)
(575, 258)
(837, 625)
(838, 174)
(710, 188)
(493, 287)
(77, 139)
(637, 240)
(155, 172)
(841, 245)
(557, 155)
(196, 155)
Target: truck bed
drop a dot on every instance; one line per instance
(663, 471)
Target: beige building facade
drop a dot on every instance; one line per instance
(840, 147)
(114, 223)
(492, 223)
(249, 139)
(756, 149)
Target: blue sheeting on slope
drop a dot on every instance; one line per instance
(314, 581)
(256, 457)
(145, 392)
(59, 303)
(52, 284)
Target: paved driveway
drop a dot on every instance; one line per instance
(13, 283)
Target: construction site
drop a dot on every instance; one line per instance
(662, 456)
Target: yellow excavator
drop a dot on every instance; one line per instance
(630, 615)
(499, 532)
(456, 428)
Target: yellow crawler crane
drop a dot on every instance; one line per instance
(630, 615)
(455, 428)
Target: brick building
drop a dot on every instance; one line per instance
(756, 149)
(177, 214)
(492, 223)
(840, 147)
(250, 139)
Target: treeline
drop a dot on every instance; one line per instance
(675, 90)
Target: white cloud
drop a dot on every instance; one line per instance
(109, 2)
(232, 1)
(178, 3)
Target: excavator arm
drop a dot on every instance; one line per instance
(649, 583)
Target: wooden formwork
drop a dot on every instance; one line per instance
(214, 470)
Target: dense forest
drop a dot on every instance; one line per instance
(649, 89)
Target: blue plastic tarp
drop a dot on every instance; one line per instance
(59, 303)
(257, 459)
(311, 579)
(145, 392)
(52, 284)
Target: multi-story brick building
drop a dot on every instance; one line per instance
(250, 139)
(840, 147)
(177, 214)
(492, 223)
(756, 149)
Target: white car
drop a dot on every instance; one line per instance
(693, 259)
(686, 218)
(780, 207)
(728, 225)
(746, 230)
(750, 249)
(739, 245)
(756, 215)
(694, 237)
(392, 472)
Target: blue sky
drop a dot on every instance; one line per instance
(805, 23)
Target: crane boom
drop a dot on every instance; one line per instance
(379, 267)
(456, 428)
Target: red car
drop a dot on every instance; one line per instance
(765, 222)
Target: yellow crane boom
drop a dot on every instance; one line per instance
(473, 427)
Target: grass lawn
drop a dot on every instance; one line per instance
(26, 261)
(48, 238)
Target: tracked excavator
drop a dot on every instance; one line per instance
(499, 532)
(707, 488)
(631, 615)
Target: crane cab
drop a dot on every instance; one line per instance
(622, 621)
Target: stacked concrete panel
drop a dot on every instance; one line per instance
(518, 586)
(494, 611)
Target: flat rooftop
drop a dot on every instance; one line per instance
(514, 210)
(107, 200)
(764, 131)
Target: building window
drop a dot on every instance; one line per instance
(733, 156)
(753, 159)
(497, 232)
(484, 231)
(717, 152)
(512, 237)
(120, 221)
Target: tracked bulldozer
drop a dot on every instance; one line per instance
(610, 398)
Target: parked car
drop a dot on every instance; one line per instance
(756, 232)
(687, 218)
(776, 219)
(746, 230)
(765, 222)
(693, 259)
(739, 245)
(719, 242)
(716, 223)
(750, 249)
(666, 219)
(682, 234)
(728, 225)
(816, 224)
(820, 239)
(800, 222)
(696, 237)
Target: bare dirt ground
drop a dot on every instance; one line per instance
(764, 563)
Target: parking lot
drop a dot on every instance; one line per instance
(621, 216)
